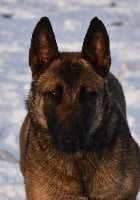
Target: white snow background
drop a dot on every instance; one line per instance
(70, 20)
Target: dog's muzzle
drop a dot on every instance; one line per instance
(69, 144)
(69, 141)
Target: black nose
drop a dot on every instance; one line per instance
(70, 144)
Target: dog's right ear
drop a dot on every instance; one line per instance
(43, 47)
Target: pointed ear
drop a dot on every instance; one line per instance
(96, 48)
(43, 47)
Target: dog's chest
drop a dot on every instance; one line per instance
(52, 175)
(99, 178)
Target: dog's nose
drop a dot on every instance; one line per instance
(70, 144)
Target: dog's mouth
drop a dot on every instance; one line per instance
(69, 145)
(69, 150)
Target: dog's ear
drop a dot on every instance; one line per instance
(96, 47)
(43, 47)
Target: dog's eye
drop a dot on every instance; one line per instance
(87, 94)
(52, 94)
(55, 95)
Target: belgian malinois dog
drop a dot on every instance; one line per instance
(75, 141)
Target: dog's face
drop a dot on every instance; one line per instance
(67, 96)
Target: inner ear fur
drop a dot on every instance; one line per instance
(96, 47)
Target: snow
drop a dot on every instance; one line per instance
(70, 21)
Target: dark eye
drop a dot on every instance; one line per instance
(52, 94)
(55, 95)
(87, 94)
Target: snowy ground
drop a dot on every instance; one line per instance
(70, 20)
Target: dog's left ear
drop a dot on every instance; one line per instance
(96, 47)
(43, 47)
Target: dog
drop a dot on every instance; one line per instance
(75, 142)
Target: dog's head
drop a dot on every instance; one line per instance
(68, 89)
